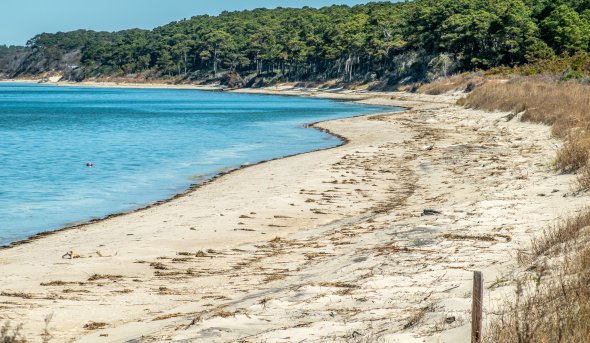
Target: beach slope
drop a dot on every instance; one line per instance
(375, 240)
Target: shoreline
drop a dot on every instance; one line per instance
(322, 246)
(191, 187)
(285, 89)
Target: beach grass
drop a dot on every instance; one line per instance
(552, 302)
(10, 334)
(464, 82)
(552, 294)
(544, 99)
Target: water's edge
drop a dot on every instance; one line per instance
(192, 187)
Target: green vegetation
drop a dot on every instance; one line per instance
(563, 67)
(391, 42)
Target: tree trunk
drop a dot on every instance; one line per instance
(215, 63)
(348, 67)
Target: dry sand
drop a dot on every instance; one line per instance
(328, 246)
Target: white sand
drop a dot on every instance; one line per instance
(324, 246)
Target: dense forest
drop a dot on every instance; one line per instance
(395, 42)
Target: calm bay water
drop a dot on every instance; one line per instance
(145, 144)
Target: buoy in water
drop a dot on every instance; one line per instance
(89, 165)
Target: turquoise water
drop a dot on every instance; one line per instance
(145, 144)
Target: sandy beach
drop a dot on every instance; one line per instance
(373, 241)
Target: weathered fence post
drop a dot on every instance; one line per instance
(477, 308)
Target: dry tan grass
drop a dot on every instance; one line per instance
(563, 105)
(11, 335)
(417, 316)
(574, 153)
(553, 296)
(583, 181)
(465, 82)
(564, 233)
(554, 308)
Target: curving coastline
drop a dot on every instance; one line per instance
(189, 188)
(321, 246)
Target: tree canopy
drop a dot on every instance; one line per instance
(417, 39)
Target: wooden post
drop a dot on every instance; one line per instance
(477, 308)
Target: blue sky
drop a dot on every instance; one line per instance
(23, 19)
